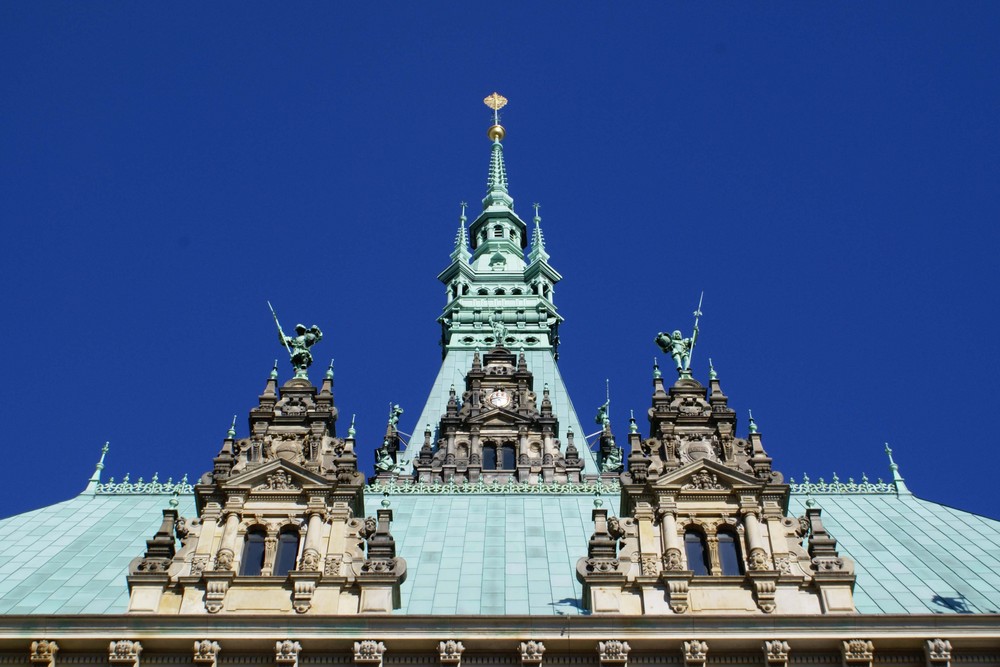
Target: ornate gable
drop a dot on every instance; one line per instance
(703, 524)
(280, 525)
(499, 431)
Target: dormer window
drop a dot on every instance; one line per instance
(252, 562)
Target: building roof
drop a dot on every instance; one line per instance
(911, 555)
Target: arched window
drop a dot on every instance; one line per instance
(498, 231)
(697, 554)
(729, 554)
(516, 291)
(253, 553)
(288, 551)
(508, 458)
(489, 457)
(483, 291)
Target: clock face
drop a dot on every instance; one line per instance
(499, 399)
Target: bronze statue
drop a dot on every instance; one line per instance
(298, 345)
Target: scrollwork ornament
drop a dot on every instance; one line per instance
(44, 652)
(369, 651)
(938, 650)
(614, 651)
(206, 652)
(450, 652)
(532, 652)
(776, 653)
(695, 652)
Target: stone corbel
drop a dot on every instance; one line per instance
(303, 589)
(857, 653)
(369, 652)
(531, 653)
(613, 653)
(677, 584)
(206, 652)
(776, 653)
(124, 653)
(286, 653)
(43, 652)
(695, 653)
(938, 652)
(450, 652)
(217, 583)
(765, 586)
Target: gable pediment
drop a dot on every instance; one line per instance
(706, 475)
(499, 417)
(277, 475)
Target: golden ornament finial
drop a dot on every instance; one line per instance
(496, 101)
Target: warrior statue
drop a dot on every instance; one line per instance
(680, 348)
(383, 459)
(298, 345)
(612, 461)
(602, 415)
(394, 413)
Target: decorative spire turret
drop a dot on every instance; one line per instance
(897, 478)
(537, 240)
(461, 252)
(95, 479)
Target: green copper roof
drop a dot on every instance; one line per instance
(506, 553)
(72, 557)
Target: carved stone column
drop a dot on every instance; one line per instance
(776, 653)
(531, 653)
(124, 653)
(695, 653)
(227, 551)
(938, 652)
(206, 652)
(43, 653)
(756, 554)
(857, 653)
(672, 546)
(314, 540)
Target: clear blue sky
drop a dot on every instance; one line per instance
(826, 172)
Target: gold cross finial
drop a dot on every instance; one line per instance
(495, 101)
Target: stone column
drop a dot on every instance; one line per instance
(672, 547)
(757, 555)
(203, 550)
(314, 539)
(224, 558)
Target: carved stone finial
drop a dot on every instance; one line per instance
(369, 652)
(938, 652)
(206, 652)
(124, 652)
(44, 652)
(286, 653)
(776, 653)
(613, 652)
(450, 652)
(532, 652)
(695, 652)
(857, 652)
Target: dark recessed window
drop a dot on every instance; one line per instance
(489, 457)
(509, 458)
(729, 554)
(697, 554)
(288, 550)
(253, 553)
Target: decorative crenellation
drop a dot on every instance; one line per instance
(857, 652)
(531, 652)
(609, 487)
(286, 653)
(154, 487)
(938, 652)
(695, 653)
(835, 486)
(124, 652)
(43, 652)
(369, 652)
(776, 653)
(206, 652)
(450, 652)
(613, 652)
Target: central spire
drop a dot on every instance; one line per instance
(496, 183)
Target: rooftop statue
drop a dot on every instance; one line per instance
(499, 330)
(680, 348)
(394, 413)
(298, 345)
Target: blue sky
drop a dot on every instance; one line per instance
(826, 172)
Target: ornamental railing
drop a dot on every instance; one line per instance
(153, 487)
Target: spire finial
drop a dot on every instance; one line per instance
(329, 371)
(632, 426)
(496, 101)
(462, 217)
(350, 429)
(657, 374)
(274, 371)
(461, 250)
(897, 478)
(753, 424)
(712, 375)
(538, 218)
(537, 239)
(95, 479)
(231, 434)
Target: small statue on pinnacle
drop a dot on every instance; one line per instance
(298, 345)
(680, 348)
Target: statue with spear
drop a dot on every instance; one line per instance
(298, 345)
(680, 348)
